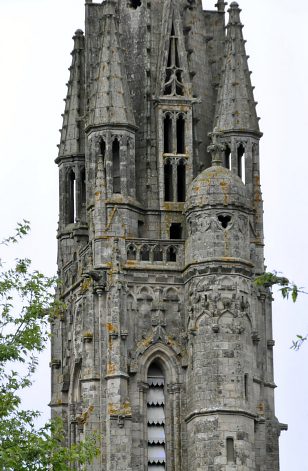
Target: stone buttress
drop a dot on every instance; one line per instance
(164, 348)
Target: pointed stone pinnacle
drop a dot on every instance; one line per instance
(236, 92)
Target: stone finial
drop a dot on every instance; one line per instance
(221, 5)
(216, 149)
(78, 39)
(234, 12)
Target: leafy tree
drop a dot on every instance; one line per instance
(288, 290)
(26, 305)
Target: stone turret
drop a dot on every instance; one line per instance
(111, 131)
(221, 319)
(237, 123)
(71, 157)
(217, 210)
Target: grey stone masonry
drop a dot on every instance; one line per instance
(165, 346)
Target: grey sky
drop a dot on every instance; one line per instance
(35, 42)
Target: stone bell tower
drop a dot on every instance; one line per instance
(165, 347)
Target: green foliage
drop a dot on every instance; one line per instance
(287, 289)
(26, 305)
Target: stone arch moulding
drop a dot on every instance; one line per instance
(165, 356)
(74, 394)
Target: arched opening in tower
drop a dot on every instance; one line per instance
(71, 203)
(181, 181)
(116, 180)
(228, 157)
(168, 134)
(180, 135)
(82, 194)
(168, 181)
(241, 164)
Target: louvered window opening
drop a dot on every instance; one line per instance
(156, 419)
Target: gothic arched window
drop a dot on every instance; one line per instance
(171, 254)
(168, 177)
(145, 253)
(241, 162)
(228, 157)
(82, 193)
(71, 209)
(168, 134)
(157, 254)
(156, 418)
(116, 180)
(181, 181)
(180, 135)
(131, 252)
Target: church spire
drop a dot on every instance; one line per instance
(236, 108)
(111, 104)
(72, 133)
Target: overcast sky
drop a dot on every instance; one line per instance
(35, 42)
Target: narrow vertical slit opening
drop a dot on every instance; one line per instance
(103, 149)
(116, 180)
(168, 134)
(83, 186)
(177, 59)
(180, 135)
(168, 181)
(241, 162)
(71, 197)
(228, 157)
(181, 181)
(246, 386)
(230, 450)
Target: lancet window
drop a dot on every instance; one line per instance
(230, 450)
(71, 197)
(227, 156)
(175, 166)
(181, 181)
(174, 133)
(116, 180)
(168, 177)
(75, 195)
(156, 418)
(241, 162)
(175, 180)
(180, 135)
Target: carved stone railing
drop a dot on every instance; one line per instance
(156, 253)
